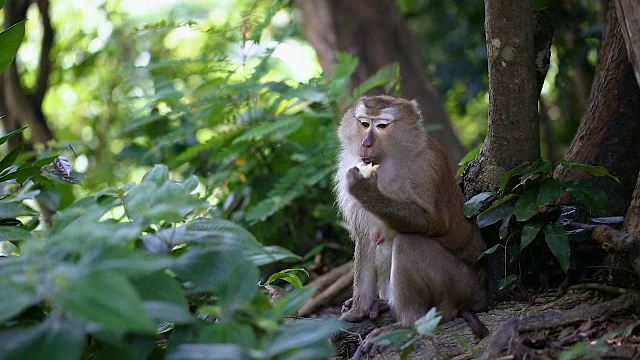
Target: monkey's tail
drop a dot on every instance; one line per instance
(478, 328)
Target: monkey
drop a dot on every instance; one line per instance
(414, 249)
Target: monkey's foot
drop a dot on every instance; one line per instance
(351, 314)
(369, 347)
(378, 238)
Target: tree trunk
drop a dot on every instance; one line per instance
(513, 136)
(376, 33)
(609, 132)
(628, 12)
(20, 106)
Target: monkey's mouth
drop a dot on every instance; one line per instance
(368, 160)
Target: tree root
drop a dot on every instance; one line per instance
(327, 287)
(614, 240)
(507, 335)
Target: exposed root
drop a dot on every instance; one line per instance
(328, 286)
(507, 335)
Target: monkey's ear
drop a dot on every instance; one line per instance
(416, 108)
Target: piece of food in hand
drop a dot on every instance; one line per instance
(366, 169)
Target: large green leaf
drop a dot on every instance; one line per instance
(11, 157)
(231, 333)
(208, 351)
(164, 297)
(108, 299)
(549, 191)
(6, 136)
(587, 194)
(302, 333)
(223, 270)
(591, 169)
(10, 41)
(526, 206)
(12, 233)
(496, 212)
(54, 338)
(556, 238)
(529, 232)
(506, 177)
(14, 298)
(475, 203)
(394, 337)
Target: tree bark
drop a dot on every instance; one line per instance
(513, 136)
(628, 12)
(609, 132)
(22, 107)
(376, 33)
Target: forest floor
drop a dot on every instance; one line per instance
(582, 324)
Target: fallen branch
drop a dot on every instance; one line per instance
(327, 286)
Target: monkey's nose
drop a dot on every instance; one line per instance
(367, 143)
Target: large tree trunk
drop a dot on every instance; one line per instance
(377, 34)
(609, 132)
(20, 106)
(514, 132)
(628, 12)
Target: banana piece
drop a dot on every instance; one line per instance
(366, 169)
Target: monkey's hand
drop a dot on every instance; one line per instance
(360, 186)
(351, 314)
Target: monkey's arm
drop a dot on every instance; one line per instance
(402, 216)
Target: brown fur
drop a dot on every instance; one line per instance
(430, 250)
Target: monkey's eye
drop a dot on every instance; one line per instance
(365, 123)
(382, 124)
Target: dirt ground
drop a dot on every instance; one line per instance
(583, 324)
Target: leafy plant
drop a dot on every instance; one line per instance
(146, 269)
(405, 339)
(10, 40)
(528, 213)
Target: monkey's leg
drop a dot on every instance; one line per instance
(363, 303)
(423, 275)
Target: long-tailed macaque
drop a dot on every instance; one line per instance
(413, 247)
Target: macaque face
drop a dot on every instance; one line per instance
(375, 125)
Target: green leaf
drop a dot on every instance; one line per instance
(496, 212)
(287, 276)
(158, 175)
(504, 227)
(426, 325)
(11, 157)
(475, 203)
(588, 194)
(394, 337)
(526, 206)
(13, 233)
(10, 41)
(506, 281)
(467, 159)
(6, 136)
(301, 333)
(1, 4)
(591, 169)
(504, 180)
(21, 175)
(291, 302)
(207, 351)
(229, 333)
(549, 191)
(529, 232)
(556, 238)
(108, 299)
(54, 338)
(490, 250)
(282, 126)
(223, 270)
(14, 298)
(164, 298)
